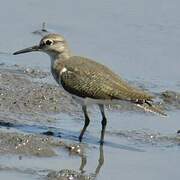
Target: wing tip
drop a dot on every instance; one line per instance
(153, 109)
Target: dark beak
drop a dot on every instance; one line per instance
(26, 50)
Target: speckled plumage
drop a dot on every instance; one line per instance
(87, 78)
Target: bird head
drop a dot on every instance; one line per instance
(52, 44)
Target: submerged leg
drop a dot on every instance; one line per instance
(86, 123)
(103, 122)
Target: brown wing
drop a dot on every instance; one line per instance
(86, 78)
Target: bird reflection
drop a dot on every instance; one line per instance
(99, 163)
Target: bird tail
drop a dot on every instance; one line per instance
(152, 108)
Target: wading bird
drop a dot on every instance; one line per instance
(88, 81)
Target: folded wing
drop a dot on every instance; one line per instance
(86, 78)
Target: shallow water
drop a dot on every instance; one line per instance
(137, 39)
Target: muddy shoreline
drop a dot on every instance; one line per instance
(27, 100)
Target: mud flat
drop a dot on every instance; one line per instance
(171, 98)
(30, 104)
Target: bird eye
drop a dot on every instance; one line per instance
(49, 42)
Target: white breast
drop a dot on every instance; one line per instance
(63, 70)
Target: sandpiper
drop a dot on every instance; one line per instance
(88, 81)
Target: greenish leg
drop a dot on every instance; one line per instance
(103, 122)
(84, 108)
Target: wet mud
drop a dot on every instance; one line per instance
(171, 99)
(66, 174)
(19, 94)
(28, 98)
(146, 137)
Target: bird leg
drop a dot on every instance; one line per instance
(86, 123)
(103, 122)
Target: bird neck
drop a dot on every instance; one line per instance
(57, 57)
(57, 61)
(60, 53)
